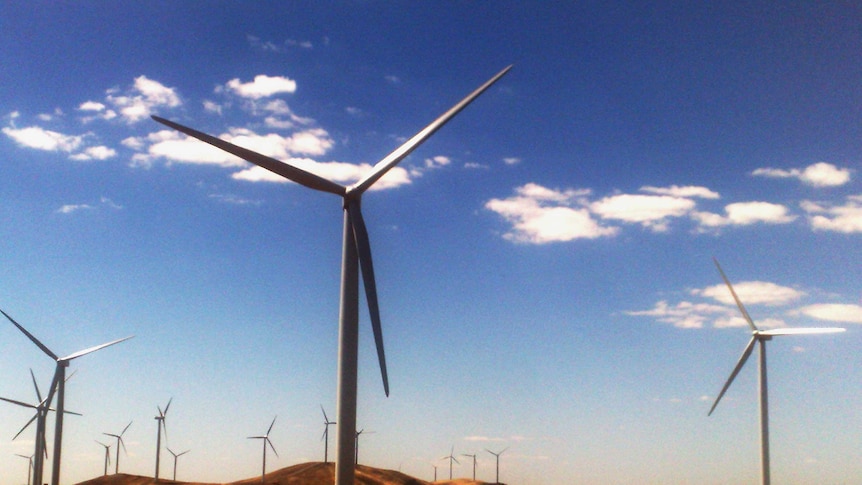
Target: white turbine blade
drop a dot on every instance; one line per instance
(31, 337)
(742, 359)
(270, 426)
(25, 426)
(93, 349)
(183, 453)
(325, 418)
(168, 406)
(736, 298)
(38, 394)
(26, 405)
(271, 446)
(396, 156)
(278, 167)
(363, 250)
(124, 430)
(801, 331)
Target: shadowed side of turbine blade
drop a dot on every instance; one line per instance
(278, 167)
(31, 337)
(363, 249)
(405, 149)
(742, 359)
(735, 297)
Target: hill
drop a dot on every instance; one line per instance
(314, 473)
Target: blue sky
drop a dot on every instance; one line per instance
(543, 261)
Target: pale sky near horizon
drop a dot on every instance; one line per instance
(543, 262)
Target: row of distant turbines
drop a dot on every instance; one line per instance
(452, 459)
(356, 259)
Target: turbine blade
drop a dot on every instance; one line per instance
(396, 156)
(26, 405)
(123, 444)
(742, 359)
(325, 418)
(124, 430)
(801, 331)
(38, 394)
(735, 297)
(363, 249)
(270, 426)
(272, 447)
(93, 349)
(31, 337)
(168, 406)
(278, 167)
(25, 426)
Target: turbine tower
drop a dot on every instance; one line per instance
(356, 445)
(451, 458)
(107, 455)
(325, 437)
(59, 382)
(266, 440)
(497, 455)
(176, 457)
(160, 425)
(356, 253)
(760, 337)
(42, 408)
(120, 442)
(473, 456)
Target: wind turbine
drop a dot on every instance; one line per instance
(497, 455)
(59, 383)
(451, 458)
(435, 471)
(266, 440)
(107, 455)
(325, 437)
(119, 443)
(356, 445)
(176, 456)
(473, 456)
(760, 337)
(160, 424)
(40, 417)
(29, 465)
(356, 253)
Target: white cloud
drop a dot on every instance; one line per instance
(833, 312)
(651, 211)
(70, 208)
(91, 106)
(437, 162)
(820, 174)
(846, 218)
(42, 139)
(95, 153)
(686, 314)
(511, 160)
(212, 107)
(745, 213)
(687, 191)
(145, 96)
(541, 215)
(752, 293)
(262, 86)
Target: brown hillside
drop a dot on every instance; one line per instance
(303, 474)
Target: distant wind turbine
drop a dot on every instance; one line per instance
(435, 471)
(473, 456)
(176, 457)
(107, 455)
(497, 455)
(325, 437)
(451, 458)
(160, 425)
(29, 465)
(356, 253)
(266, 441)
(760, 337)
(59, 383)
(356, 445)
(42, 409)
(120, 442)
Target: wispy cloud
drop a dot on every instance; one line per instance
(820, 174)
(261, 87)
(845, 218)
(42, 139)
(141, 100)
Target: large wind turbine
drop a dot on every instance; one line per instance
(497, 455)
(266, 440)
(120, 442)
(176, 457)
(160, 425)
(42, 408)
(107, 455)
(59, 383)
(356, 253)
(325, 437)
(760, 337)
